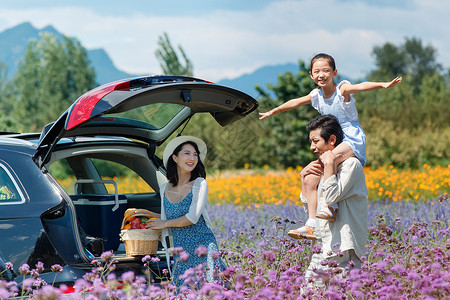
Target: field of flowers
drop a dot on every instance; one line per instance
(249, 187)
(408, 254)
(268, 187)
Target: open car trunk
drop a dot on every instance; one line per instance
(112, 132)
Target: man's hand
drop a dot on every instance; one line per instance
(314, 167)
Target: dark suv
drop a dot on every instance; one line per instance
(121, 123)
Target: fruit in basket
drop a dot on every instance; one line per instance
(135, 223)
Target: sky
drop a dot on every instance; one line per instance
(228, 38)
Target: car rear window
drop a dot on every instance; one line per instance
(8, 187)
(157, 115)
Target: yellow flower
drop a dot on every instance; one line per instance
(278, 187)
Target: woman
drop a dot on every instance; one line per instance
(184, 212)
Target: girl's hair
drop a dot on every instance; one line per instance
(323, 56)
(172, 173)
(328, 125)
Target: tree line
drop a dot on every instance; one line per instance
(406, 126)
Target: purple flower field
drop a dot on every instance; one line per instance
(407, 258)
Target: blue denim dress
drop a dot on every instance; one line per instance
(190, 238)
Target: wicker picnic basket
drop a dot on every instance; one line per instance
(139, 242)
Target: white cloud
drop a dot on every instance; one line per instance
(225, 43)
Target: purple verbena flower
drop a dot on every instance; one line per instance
(146, 258)
(176, 250)
(201, 251)
(107, 256)
(24, 269)
(40, 267)
(48, 292)
(128, 277)
(56, 268)
(184, 256)
(9, 266)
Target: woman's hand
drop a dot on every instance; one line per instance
(155, 224)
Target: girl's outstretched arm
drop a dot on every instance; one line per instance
(291, 104)
(347, 89)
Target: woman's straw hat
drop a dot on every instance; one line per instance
(174, 143)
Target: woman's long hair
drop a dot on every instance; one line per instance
(172, 172)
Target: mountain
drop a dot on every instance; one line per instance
(104, 67)
(268, 74)
(14, 42)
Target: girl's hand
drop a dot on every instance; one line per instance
(395, 81)
(265, 115)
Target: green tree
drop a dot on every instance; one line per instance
(419, 99)
(7, 121)
(408, 125)
(168, 58)
(227, 147)
(53, 73)
(412, 58)
(286, 137)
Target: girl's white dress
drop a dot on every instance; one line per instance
(347, 116)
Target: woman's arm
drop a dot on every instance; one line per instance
(161, 224)
(158, 216)
(199, 200)
(348, 89)
(291, 104)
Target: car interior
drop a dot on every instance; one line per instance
(99, 202)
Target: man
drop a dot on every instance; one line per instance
(344, 239)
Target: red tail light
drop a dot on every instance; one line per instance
(82, 109)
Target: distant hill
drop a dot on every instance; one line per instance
(268, 74)
(14, 42)
(104, 67)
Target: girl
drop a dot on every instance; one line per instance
(184, 212)
(337, 100)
